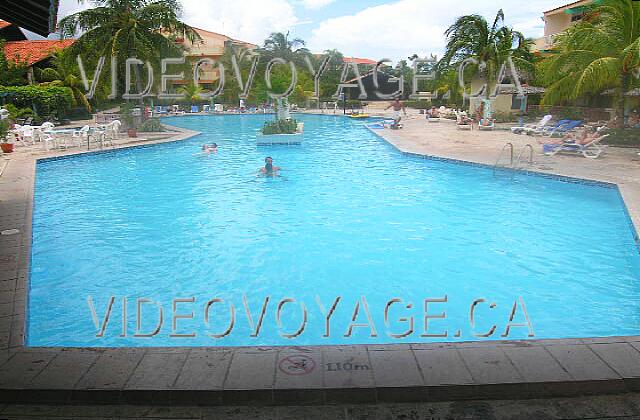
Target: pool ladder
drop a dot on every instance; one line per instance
(514, 163)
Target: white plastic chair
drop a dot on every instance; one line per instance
(28, 134)
(47, 138)
(112, 131)
(81, 136)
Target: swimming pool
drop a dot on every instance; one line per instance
(352, 230)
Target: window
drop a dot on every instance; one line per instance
(516, 102)
(577, 17)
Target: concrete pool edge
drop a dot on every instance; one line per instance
(250, 375)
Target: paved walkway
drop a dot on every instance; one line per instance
(620, 407)
(239, 376)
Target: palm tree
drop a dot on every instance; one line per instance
(191, 92)
(491, 45)
(64, 73)
(600, 52)
(129, 28)
(279, 45)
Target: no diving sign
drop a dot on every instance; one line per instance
(297, 364)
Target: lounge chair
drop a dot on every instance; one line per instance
(548, 129)
(527, 128)
(463, 122)
(195, 109)
(565, 128)
(592, 150)
(488, 127)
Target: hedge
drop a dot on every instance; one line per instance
(46, 99)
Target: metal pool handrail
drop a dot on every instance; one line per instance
(530, 160)
(507, 145)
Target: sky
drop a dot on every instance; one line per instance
(375, 29)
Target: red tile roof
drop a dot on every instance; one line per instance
(4, 24)
(34, 51)
(359, 60)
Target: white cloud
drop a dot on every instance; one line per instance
(247, 20)
(401, 28)
(69, 7)
(316, 4)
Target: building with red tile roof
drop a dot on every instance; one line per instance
(34, 51)
(357, 60)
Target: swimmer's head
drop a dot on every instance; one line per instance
(214, 145)
(268, 163)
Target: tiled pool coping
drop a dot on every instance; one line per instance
(258, 375)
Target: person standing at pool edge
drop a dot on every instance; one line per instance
(268, 168)
(397, 106)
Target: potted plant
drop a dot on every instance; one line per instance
(126, 111)
(4, 137)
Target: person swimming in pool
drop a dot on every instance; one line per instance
(269, 168)
(208, 148)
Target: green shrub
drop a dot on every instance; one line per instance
(280, 127)
(16, 113)
(47, 99)
(4, 130)
(152, 125)
(420, 104)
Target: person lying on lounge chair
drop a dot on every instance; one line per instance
(579, 137)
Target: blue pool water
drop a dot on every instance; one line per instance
(350, 218)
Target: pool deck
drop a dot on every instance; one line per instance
(266, 375)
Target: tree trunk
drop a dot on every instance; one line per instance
(619, 104)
